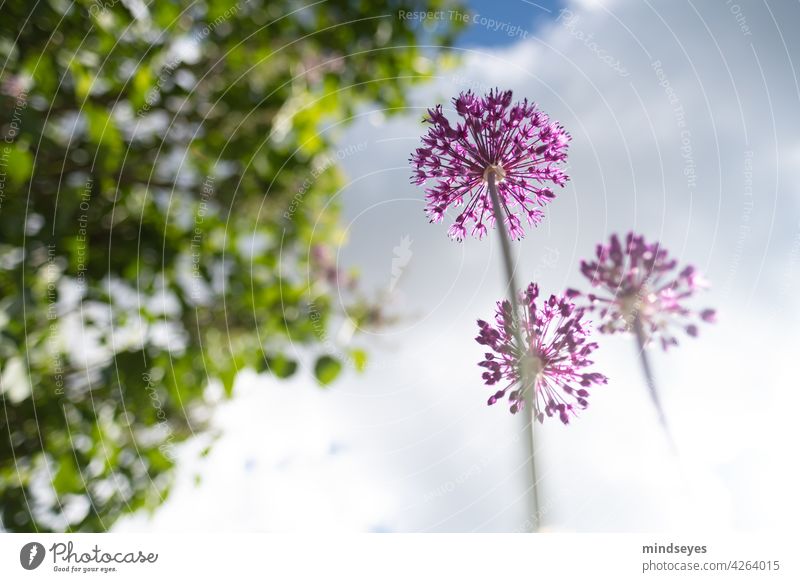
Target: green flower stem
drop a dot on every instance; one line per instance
(513, 290)
(641, 340)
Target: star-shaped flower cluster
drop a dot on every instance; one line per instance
(516, 143)
(541, 355)
(638, 281)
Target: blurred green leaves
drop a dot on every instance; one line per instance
(162, 228)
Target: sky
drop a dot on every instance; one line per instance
(684, 121)
(528, 15)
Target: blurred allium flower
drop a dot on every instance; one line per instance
(640, 282)
(547, 366)
(324, 267)
(517, 143)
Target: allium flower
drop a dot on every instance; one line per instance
(548, 364)
(323, 266)
(640, 282)
(517, 143)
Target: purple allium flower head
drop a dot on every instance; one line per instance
(518, 143)
(640, 281)
(548, 366)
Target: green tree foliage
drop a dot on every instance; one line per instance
(167, 220)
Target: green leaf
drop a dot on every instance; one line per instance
(102, 129)
(82, 79)
(19, 164)
(143, 83)
(227, 377)
(281, 366)
(327, 369)
(67, 479)
(359, 357)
